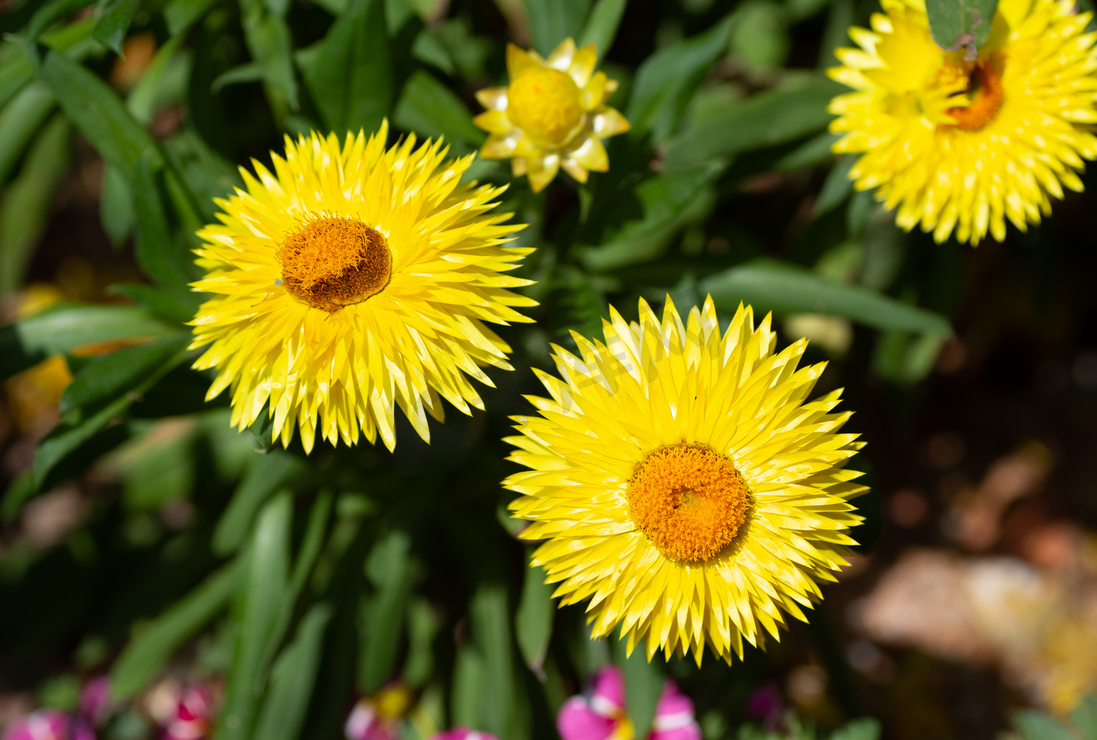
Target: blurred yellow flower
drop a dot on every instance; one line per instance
(351, 280)
(35, 393)
(551, 115)
(959, 145)
(683, 482)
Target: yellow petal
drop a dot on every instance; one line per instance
(582, 65)
(592, 155)
(561, 56)
(609, 122)
(494, 122)
(519, 61)
(493, 98)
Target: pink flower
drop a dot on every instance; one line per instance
(602, 716)
(463, 733)
(379, 717)
(50, 724)
(193, 718)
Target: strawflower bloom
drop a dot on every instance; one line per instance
(960, 145)
(601, 714)
(683, 483)
(351, 280)
(553, 114)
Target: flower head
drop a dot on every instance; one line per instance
(601, 714)
(684, 483)
(961, 145)
(351, 280)
(553, 114)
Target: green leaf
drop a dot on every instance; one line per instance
(19, 122)
(269, 40)
(533, 622)
(161, 255)
(1035, 725)
(265, 475)
(490, 618)
(865, 728)
(50, 13)
(96, 111)
(25, 208)
(643, 685)
(349, 72)
(430, 108)
(784, 288)
(115, 374)
(392, 570)
(116, 206)
(766, 119)
(293, 678)
(667, 80)
(16, 69)
(154, 643)
(601, 28)
(182, 14)
(114, 20)
(552, 21)
(836, 188)
(956, 24)
(73, 432)
(1085, 717)
(169, 305)
(663, 203)
(261, 598)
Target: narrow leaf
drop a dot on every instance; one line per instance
(19, 122)
(552, 21)
(960, 24)
(643, 684)
(601, 28)
(773, 286)
(117, 373)
(392, 571)
(265, 475)
(430, 108)
(271, 44)
(162, 256)
(533, 622)
(114, 20)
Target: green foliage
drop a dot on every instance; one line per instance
(960, 24)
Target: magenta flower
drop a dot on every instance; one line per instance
(193, 718)
(602, 716)
(50, 724)
(463, 733)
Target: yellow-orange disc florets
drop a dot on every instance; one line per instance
(985, 90)
(332, 261)
(689, 500)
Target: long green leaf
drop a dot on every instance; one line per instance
(601, 28)
(154, 643)
(430, 108)
(490, 616)
(533, 621)
(667, 80)
(261, 597)
(114, 20)
(552, 21)
(271, 45)
(115, 374)
(19, 122)
(762, 120)
(162, 256)
(68, 326)
(349, 72)
(643, 684)
(265, 475)
(392, 570)
(960, 24)
(773, 286)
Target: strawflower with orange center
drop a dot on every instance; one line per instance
(959, 146)
(352, 280)
(683, 483)
(552, 115)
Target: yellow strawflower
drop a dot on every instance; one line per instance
(553, 114)
(353, 279)
(683, 482)
(960, 145)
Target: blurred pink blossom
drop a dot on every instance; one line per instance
(463, 733)
(601, 714)
(193, 718)
(50, 724)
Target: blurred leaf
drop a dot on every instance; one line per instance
(903, 357)
(16, 68)
(859, 729)
(19, 122)
(159, 253)
(663, 203)
(51, 12)
(271, 45)
(759, 35)
(490, 619)
(761, 120)
(247, 72)
(391, 569)
(170, 305)
(812, 153)
(552, 21)
(293, 677)
(265, 475)
(26, 205)
(643, 685)
(163, 79)
(423, 625)
(430, 108)
(115, 374)
(601, 28)
(66, 326)
(116, 206)
(96, 111)
(1085, 717)
(114, 19)
(73, 432)
(785, 288)
(960, 23)
(667, 80)
(182, 14)
(154, 643)
(260, 600)
(469, 698)
(349, 72)
(836, 188)
(533, 621)
(1035, 725)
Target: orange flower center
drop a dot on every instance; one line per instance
(333, 261)
(546, 105)
(689, 500)
(985, 90)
